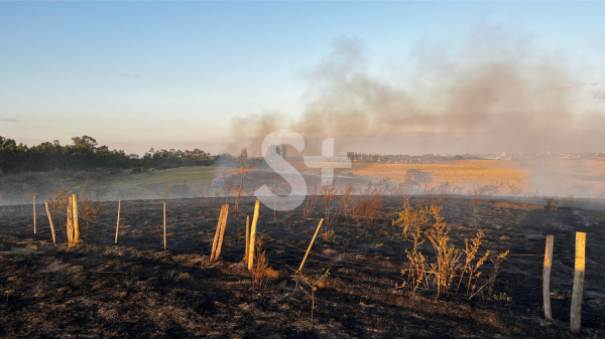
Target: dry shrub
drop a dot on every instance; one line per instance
(166, 195)
(491, 279)
(443, 190)
(475, 197)
(470, 268)
(59, 201)
(552, 204)
(366, 210)
(245, 166)
(448, 256)
(447, 266)
(90, 210)
(228, 188)
(411, 219)
(497, 261)
(313, 287)
(310, 204)
(346, 200)
(417, 264)
(329, 191)
(514, 190)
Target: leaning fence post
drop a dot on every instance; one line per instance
(550, 239)
(118, 224)
(164, 225)
(76, 223)
(247, 237)
(253, 236)
(34, 214)
(575, 317)
(50, 220)
(220, 238)
(310, 245)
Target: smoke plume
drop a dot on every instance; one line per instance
(496, 93)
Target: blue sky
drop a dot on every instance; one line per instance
(172, 75)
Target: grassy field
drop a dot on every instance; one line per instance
(196, 180)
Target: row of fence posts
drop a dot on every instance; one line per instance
(575, 318)
(575, 315)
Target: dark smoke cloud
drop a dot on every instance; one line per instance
(496, 93)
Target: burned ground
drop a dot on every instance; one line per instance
(136, 289)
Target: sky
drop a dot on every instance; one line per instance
(137, 75)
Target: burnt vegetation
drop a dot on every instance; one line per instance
(421, 267)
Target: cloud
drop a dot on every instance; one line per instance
(10, 120)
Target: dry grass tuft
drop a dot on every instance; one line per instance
(329, 236)
(260, 270)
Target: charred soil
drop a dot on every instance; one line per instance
(136, 289)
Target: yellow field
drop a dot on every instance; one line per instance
(462, 173)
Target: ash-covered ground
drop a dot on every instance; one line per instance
(136, 289)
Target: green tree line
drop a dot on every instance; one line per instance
(85, 154)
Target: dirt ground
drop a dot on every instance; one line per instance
(136, 289)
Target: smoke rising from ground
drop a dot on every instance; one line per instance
(496, 93)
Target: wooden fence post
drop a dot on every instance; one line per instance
(247, 237)
(164, 225)
(118, 224)
(34, 214)
(220, 238)
(575, 317)
(310, 245)
(253, 236)
(217, 233)
(50, 221)
(69, 224)
(550, 239)
(76, 223)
